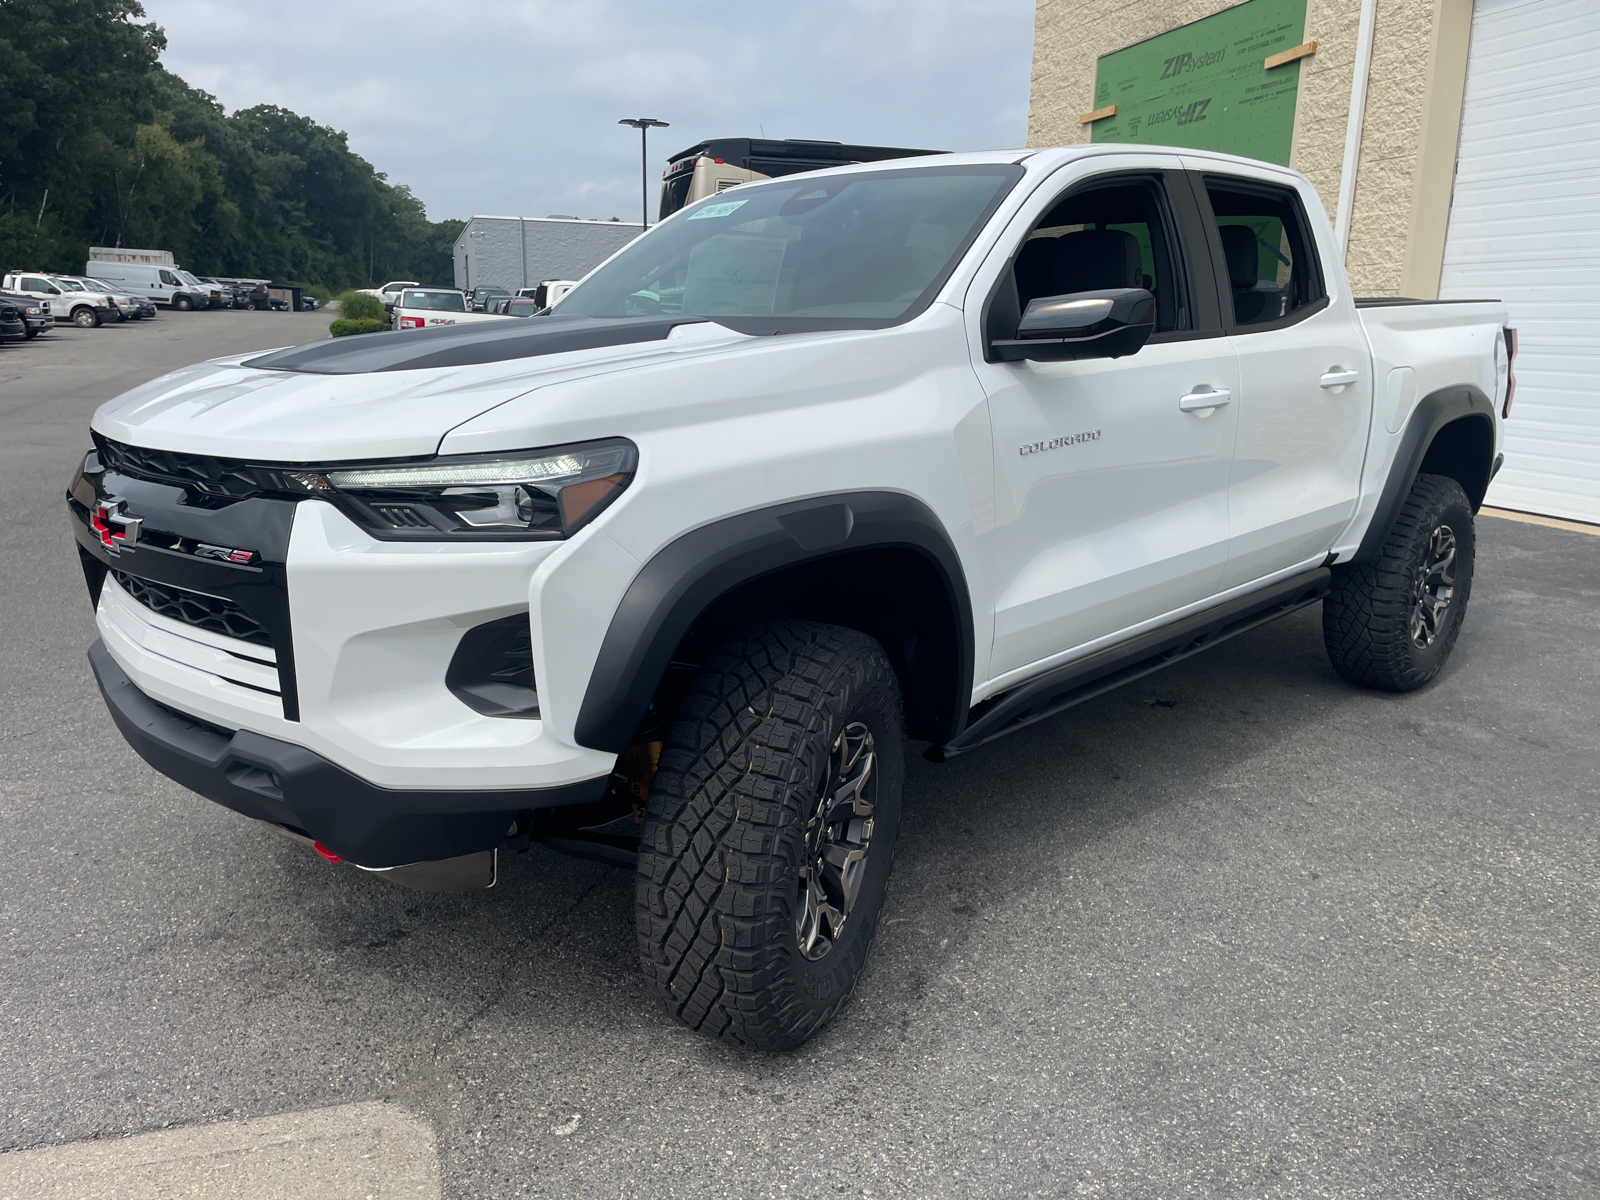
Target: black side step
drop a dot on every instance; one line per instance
(1075, 682)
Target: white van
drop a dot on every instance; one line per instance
(164, 285)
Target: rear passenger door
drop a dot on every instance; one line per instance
(1111, 488)
(1305, 391)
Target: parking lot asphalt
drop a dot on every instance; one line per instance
(1237, 929)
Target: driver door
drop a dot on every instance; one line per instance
(1111, 483)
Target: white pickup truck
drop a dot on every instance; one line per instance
(937, 447)
(390, 292)
(65, 302)
(422, 308)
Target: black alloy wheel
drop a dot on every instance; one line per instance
(838, 840)
(1434, 588)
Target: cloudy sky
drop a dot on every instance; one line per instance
(511, 106)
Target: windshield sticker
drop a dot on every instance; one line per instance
(717, 210)
(733, 274)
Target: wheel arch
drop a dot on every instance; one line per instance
(1450, 433)
(906, 588)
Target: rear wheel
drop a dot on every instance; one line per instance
(769, 834)
(1391, 624)
(85, 317)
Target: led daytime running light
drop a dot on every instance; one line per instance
(528, 470)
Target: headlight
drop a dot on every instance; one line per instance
(539, 493)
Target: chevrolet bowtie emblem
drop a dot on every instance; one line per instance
(117, 531)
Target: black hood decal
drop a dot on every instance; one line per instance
(466, 345)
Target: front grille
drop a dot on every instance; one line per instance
(223, 478)
(211, 613)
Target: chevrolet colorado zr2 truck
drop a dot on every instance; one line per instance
(928, 449)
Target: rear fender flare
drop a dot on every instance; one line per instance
(689, 574)
(1435, 411)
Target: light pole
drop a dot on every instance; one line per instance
(644, 125)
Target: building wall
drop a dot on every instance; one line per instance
(515, 252)
(1419, 52)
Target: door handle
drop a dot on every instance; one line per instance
(1206, 402)
(1338, 377)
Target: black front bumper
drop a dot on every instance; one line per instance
(291, 786)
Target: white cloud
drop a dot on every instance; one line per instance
(511, 105)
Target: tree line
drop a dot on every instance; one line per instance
(101, 145)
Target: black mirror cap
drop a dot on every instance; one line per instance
(1105, 323)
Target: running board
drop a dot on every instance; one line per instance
(1075, 682)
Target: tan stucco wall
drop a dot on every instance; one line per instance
(1071, 35)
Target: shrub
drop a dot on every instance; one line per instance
(343, 327)
(358, 306)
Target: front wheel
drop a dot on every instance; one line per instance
(85, 318)
(769, 834)
(1391, 624)
(182, 304)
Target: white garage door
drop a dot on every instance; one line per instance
(1525, 228)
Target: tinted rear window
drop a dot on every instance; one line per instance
(438, 301)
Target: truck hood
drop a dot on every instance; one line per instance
(385, 395)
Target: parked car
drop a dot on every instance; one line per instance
(212, 292)
(252, 295)
(86, 309)
(164, 285)
(481, 296)
(227, 294)
(36, 314)
(13, 328)
(645, 581)
(521, 306)
(128, 306)
(418, 308)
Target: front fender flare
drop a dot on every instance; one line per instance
(691, 573)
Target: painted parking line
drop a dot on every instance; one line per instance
(370, 1150)
(1506, 514)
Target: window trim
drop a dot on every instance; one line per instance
(1191, 272)
(1200, 180)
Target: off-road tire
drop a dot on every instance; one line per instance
(85, 317)
(724, 837)
(1366, 615)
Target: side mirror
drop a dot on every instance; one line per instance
(1108, 323)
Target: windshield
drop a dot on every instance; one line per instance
(71, 285)
(188, 278)
(858, 251)
(441, 301)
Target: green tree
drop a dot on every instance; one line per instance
(99, 144)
